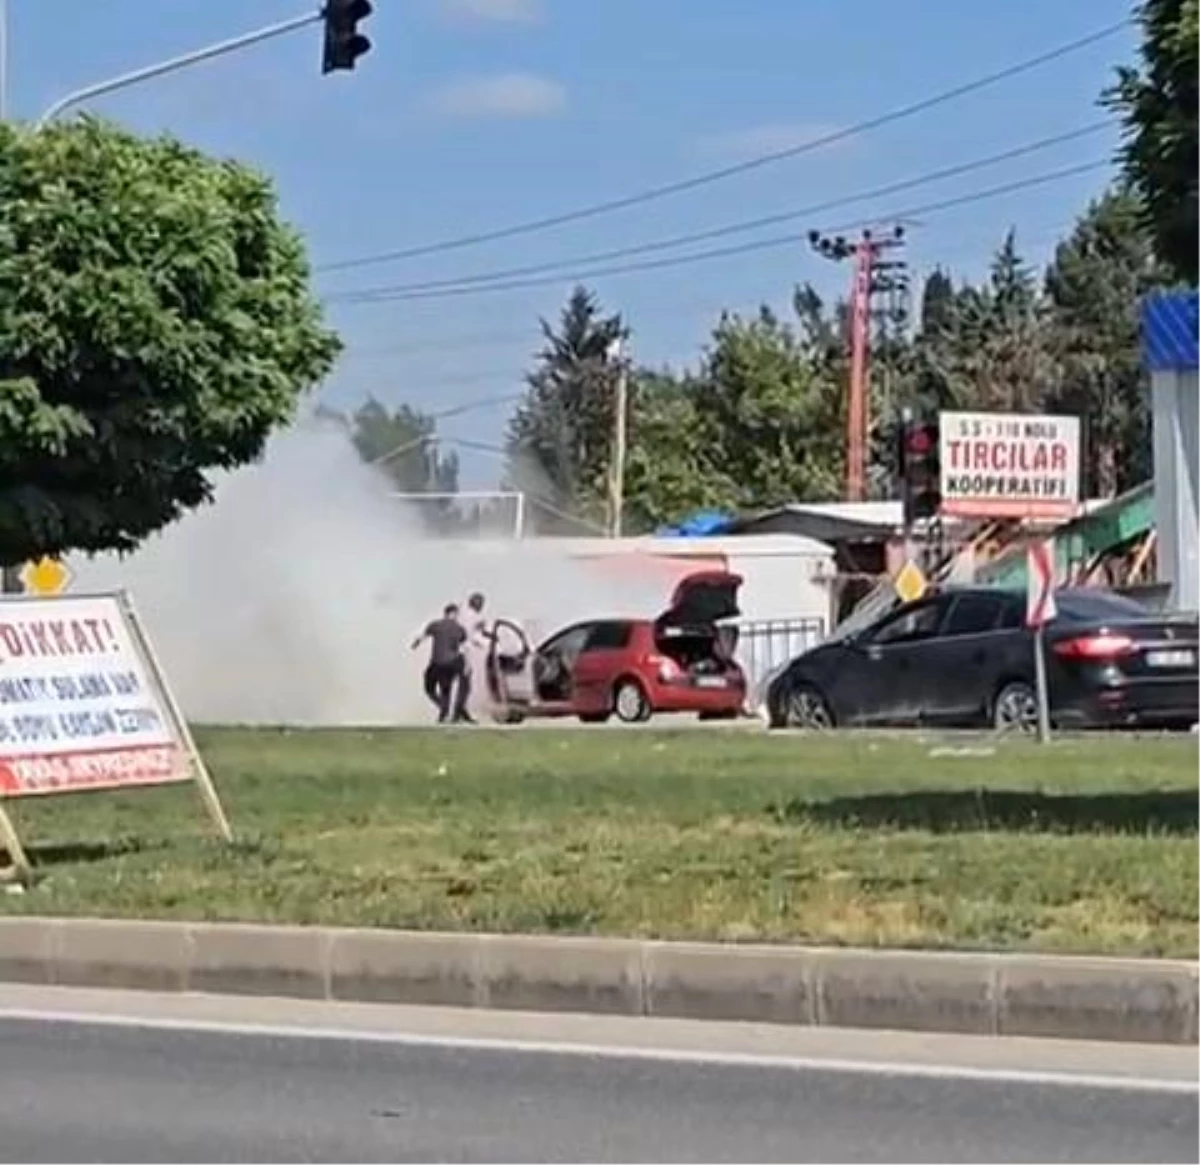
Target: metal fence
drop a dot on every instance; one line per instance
(765, 644)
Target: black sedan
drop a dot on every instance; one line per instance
(964, 658)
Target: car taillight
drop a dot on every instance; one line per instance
(1102, 646)
(668, 670)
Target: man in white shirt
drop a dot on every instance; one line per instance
(479, 638)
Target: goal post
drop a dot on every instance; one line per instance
(504, 510)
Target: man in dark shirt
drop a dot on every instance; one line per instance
(447, 666)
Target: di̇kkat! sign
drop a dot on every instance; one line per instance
(1009, 465)
(84, 705)
(79, 706)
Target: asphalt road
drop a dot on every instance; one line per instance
(79, 1087)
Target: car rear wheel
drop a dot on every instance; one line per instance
(806, 707)
(630, 703)
(1015, 708)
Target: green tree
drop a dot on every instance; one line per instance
(1012, 372)
(667, 472)
(986, 347)
(768, 419)
(758, 423)
(933, 375)
(937, 302)
(560, 435)
(156, 324)
(1157, 101)
(403, 444)
(1098, 277)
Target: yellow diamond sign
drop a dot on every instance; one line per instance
(910, 583)
(47, 576)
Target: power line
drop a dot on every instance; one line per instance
(739, 227)
(471, 406)
(532, 337)
(724, 252)
(475, 446)
(411, 443)
(466, 381)
(460, 343)
(485, 402)
(704, 179)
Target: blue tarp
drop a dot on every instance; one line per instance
(705, 524)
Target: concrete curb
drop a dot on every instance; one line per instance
(1148, 1001)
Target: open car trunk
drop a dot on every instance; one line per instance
(688, 631)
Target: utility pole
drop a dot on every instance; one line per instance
(616, 484)
(867, 254)
(890, 307)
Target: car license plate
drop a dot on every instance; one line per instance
(1171, 658)
(710, 681)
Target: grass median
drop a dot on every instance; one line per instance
(1088, 845)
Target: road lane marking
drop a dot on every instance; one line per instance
(778, 1062)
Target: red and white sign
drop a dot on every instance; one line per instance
(1009, 465)
(79, 705)
(1039, 567)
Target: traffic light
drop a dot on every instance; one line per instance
(919, 458)
(344, 44)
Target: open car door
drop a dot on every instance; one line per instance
(509, 684)
(526, 681)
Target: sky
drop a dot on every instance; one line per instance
(472, 115)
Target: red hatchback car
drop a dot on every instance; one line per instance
(629, 668)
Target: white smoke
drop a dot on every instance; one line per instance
(294, 598)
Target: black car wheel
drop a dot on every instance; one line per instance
(630, 703)
(806, 707)
(1015, 708)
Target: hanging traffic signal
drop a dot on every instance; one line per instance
(344, 44)
(919, 458)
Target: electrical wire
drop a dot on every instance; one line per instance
(461, 343)
(531, 338)
(741, 226)
(483, 402)
(655, 193)
(467, 381)
(360, 299)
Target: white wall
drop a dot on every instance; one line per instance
(1176, 404)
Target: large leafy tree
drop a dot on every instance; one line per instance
(669, 471)
(1093, 287)
(156, 324)
(402, 443)
(560, 435)
(774, 389)
(1157, 101)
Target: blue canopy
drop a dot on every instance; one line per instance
(704, 524)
